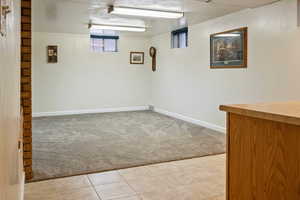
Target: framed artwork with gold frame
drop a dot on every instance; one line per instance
(229, 49)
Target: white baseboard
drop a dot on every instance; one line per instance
(191, 120)
(76, 112)
(134, 108)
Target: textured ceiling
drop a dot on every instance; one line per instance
(71, 16)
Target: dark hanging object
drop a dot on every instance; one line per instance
(152, 52)
(52, 54)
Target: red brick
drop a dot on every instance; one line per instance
(26, 12)
(26, 50)
(27, 147)
(25, 19)
(25, 4)
(27, 155)
(26, 41)
(26, 34)
(27, 140)
(27, 162)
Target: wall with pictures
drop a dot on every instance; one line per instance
(185, 86)
(82, 80)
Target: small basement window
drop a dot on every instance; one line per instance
(179, 38)
(104, 41)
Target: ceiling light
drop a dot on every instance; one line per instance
(228, 35)
(117, 27)
(205, 1)
(144, 12)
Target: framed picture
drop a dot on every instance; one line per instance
(52, 54)
(137, 58)
(229, 49)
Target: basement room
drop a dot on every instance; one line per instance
(150, 100)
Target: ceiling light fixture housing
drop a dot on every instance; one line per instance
(206, 1)
(117, 27)
(144, 12)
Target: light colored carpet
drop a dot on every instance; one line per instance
(77, 144)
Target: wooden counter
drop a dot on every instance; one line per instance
(263, 151)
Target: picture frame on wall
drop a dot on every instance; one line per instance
(137, 58)
(229, 49)
(52, 51)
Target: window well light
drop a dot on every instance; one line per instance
(145, 12)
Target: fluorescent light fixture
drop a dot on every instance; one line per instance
(145, 12)
(117, 27)
(228, 35)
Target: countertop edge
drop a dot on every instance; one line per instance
(261, 115)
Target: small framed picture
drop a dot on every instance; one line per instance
(137, 58)
(52, 54)
(229, 49)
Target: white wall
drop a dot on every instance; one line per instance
(11, 163)
(84, 80)
(185, 84)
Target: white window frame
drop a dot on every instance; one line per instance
(101, 39)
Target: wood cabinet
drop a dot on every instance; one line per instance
(263, 159)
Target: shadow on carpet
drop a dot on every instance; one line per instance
(79, 144)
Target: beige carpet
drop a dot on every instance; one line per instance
(78, 144)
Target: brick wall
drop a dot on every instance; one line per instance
(26, 85)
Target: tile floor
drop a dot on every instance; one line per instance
(193, 179)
